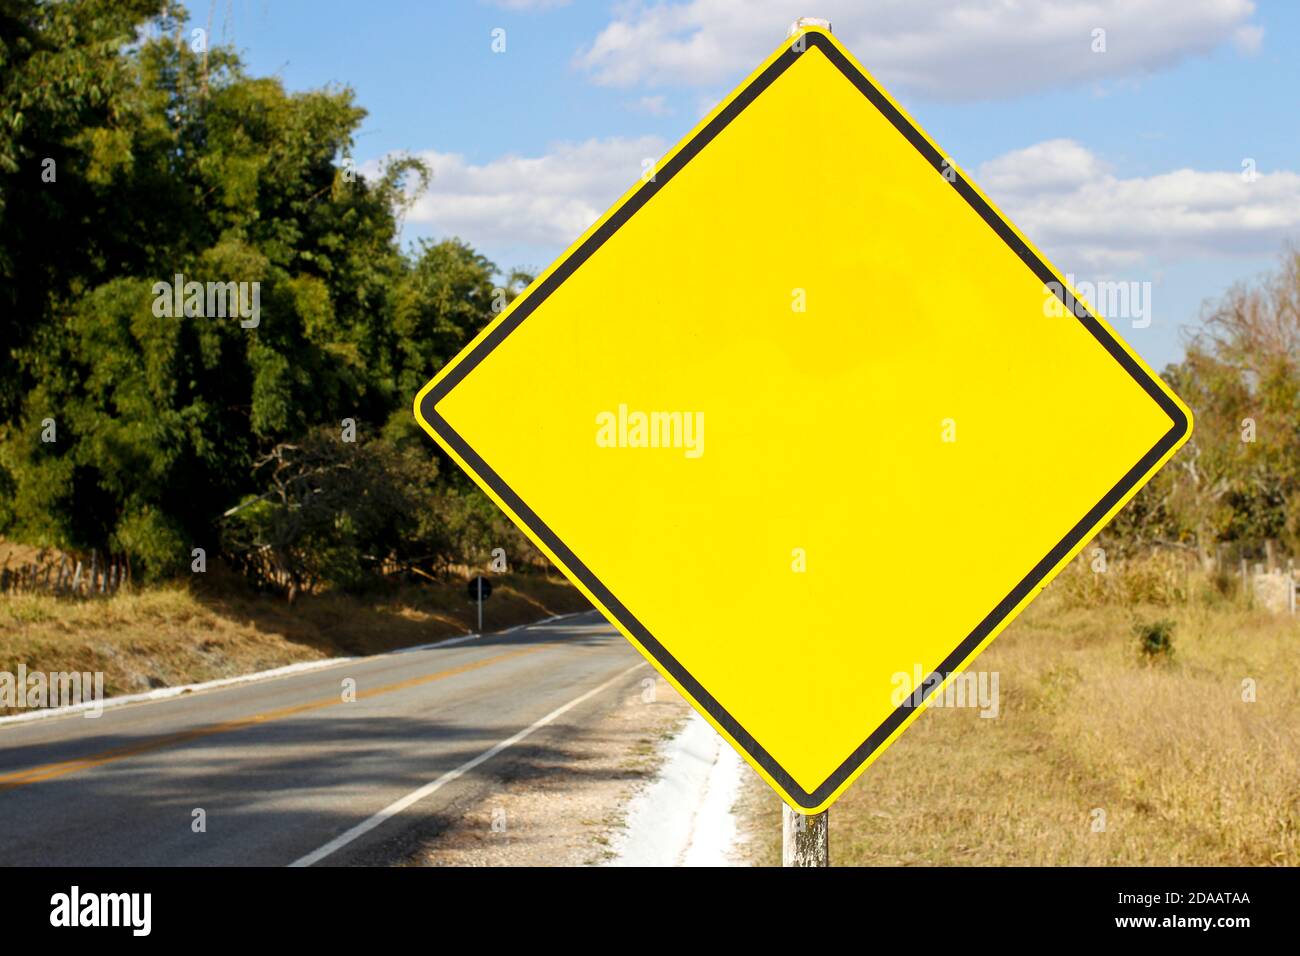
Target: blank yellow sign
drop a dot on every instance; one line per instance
(806, 418)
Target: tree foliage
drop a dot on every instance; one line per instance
(1237, 481)
(127, 159)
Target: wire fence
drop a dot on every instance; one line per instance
(67, 574)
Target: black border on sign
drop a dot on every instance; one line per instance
(1179, 428)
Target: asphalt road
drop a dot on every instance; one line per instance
(287, 772)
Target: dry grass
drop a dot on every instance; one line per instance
(1185, 770)
(183, 633)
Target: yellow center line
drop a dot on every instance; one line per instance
(20, 778)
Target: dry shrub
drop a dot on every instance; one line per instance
(1163, 578)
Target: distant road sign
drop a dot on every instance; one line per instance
(480, 588)
(913, 422)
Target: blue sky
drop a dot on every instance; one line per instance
(1123, 164)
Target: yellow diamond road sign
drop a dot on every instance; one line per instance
(806, 417)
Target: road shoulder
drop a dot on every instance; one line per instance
(685, 817)
(568, 810)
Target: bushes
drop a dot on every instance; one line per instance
(1155, 639)
(333, 511)
(1159, 577)
(152, 541)
(344, 514)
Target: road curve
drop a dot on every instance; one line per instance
(286, 771)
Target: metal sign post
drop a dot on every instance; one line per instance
(805, 838)
(479, 589)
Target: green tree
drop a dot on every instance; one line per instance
(126, 160)
(65, 86)
(200, 171)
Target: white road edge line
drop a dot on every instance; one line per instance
(167, 693)
(393, 809)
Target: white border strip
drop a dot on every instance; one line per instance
(390, 811)
(165, 693)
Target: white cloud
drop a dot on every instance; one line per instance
(1062, 195)
(1055, 164)
(1066, 200)
(949, 49)
(541, 201)
(653, 105)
